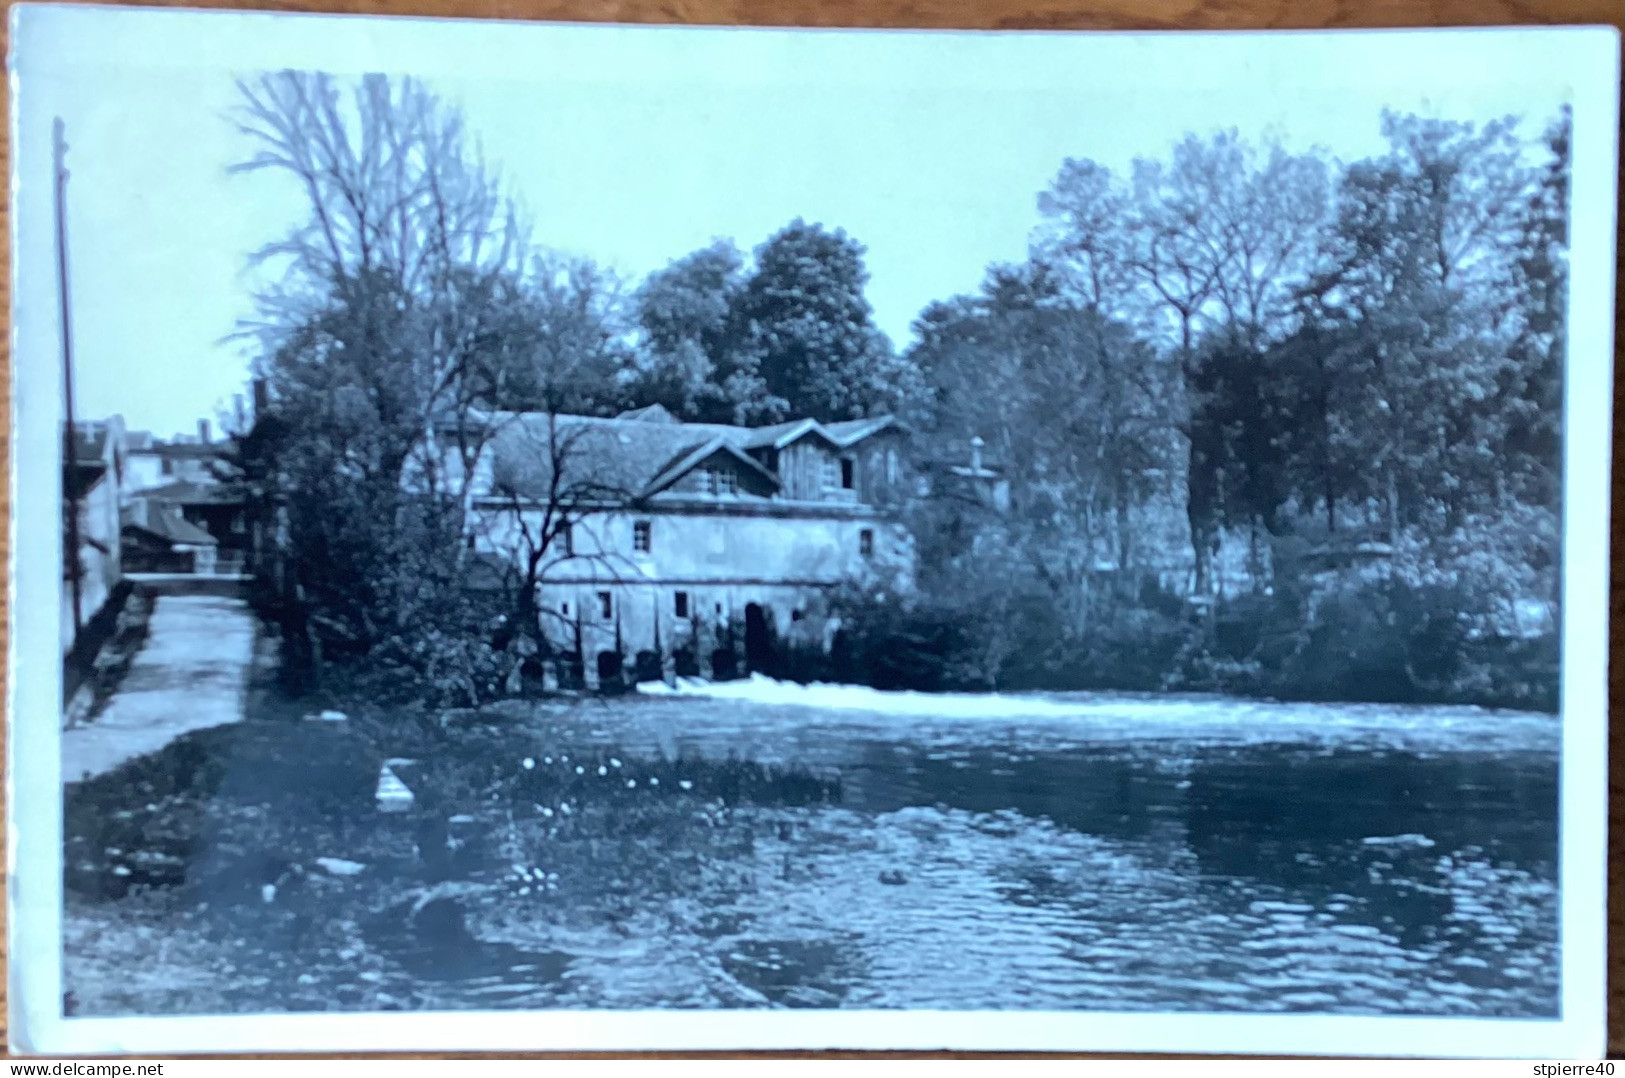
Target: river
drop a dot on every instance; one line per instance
(1091, 853)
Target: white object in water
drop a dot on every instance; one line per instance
(393, 796)
(338, 866)
(327, 716)
(1403, 842)
(268, 892)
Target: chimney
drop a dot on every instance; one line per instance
(976, 445)
(203, 432)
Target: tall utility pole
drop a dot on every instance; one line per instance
(70, 456)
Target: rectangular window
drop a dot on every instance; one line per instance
(846, 474)
(831, 475)
(721, 482)
(564, 608)
(641, 536)
(166, 466)
(606, 605)
(564, 540)
(680, 604)
(866, 542)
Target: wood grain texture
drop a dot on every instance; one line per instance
(998, 15)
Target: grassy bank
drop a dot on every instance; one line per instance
(248, 866)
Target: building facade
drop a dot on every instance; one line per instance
(700, 544)
(92, 486)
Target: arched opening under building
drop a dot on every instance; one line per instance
(758, 638)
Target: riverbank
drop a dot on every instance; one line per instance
(252, 862)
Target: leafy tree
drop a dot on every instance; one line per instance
(1415, 291)
(565, 342)
(1068, 405)
(1532, 389)
(1206, 246)
(809, 331)
(692, 336)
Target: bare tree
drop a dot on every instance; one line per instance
(398, 199)
(542, 491)
(389, 326)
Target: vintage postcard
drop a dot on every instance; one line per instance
(594, 537)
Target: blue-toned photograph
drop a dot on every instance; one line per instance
(730, 530)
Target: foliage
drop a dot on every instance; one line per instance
(692, 361)
(1218, 373)
(411, 316)
(793, 336)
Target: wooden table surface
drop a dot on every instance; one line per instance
(1016, 15)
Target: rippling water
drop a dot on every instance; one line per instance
(1088, 853)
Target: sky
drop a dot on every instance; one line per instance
(636, 146)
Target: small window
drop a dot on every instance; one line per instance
(564, 608)
(565, 540)
(641, 536)
(866, 542)
(166, 466)
(679, 604)
(846, 474)
(891, 465)
(830, 473)
(721, 482)
(470, 539)
(606, 605)
(797, 615)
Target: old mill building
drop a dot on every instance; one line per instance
(708, 537)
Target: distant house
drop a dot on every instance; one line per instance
(973, 481)
(154, 462)
(213, 507)
(156, 538)
(180, 480)
(91, 485)
(698, 537)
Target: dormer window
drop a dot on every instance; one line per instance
(847, 473)
(720, 482)
(642, 536)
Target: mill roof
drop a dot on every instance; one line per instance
(638, 454)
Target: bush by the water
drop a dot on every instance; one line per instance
(1371, 637)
